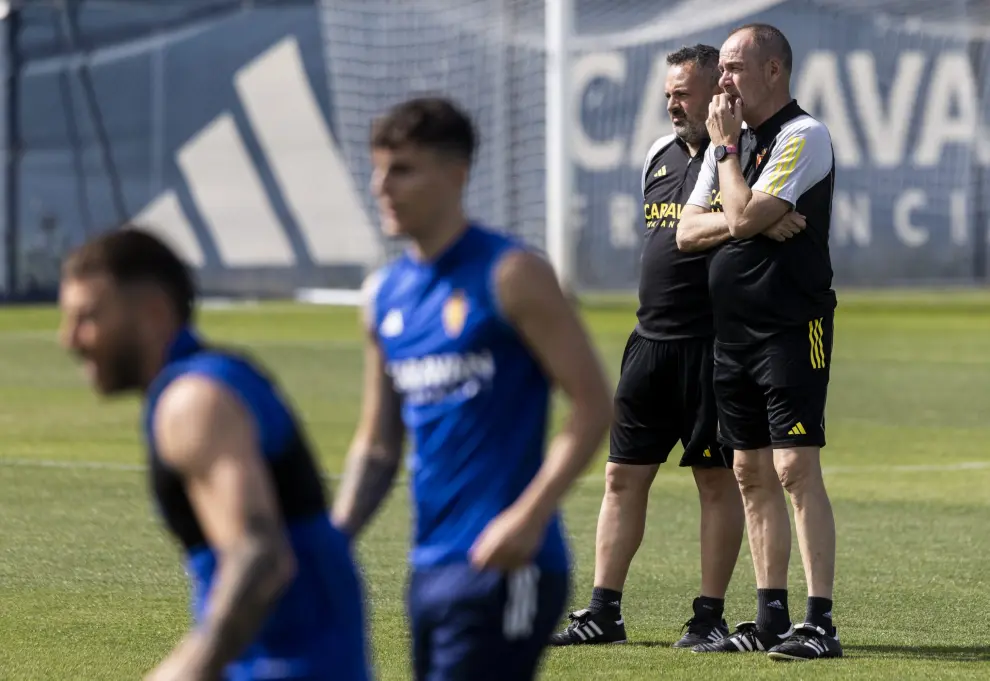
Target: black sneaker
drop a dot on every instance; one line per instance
(808, 643)
(700, 631)
(587, 627)
(748, 638)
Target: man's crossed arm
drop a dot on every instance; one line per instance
(700, 229)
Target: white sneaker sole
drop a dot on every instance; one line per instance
(784, 657)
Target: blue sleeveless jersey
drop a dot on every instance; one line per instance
(474, 399)
(316, 629)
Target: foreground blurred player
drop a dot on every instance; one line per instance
(275, 593)
(665, 391)
(466, 334)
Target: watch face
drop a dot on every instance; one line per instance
(719, 152)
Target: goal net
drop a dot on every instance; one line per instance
(900, 84)
(239, 128)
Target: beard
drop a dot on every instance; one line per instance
(691, 132)
(121, 372)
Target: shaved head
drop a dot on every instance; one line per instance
(756, 63)
(770, 43)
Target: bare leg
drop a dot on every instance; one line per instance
(722, 521)
(621, 521)
(767, 519)
(800, 473)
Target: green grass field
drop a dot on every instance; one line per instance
(92, 590)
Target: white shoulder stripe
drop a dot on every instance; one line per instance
(655, 149)
(369, 295)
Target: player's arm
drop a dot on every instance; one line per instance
(700, 228)
(205, 434)
(376, 449)
(533, 303)
(798, 161)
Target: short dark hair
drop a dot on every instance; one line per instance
(770, 41)
(432, 122)
(132, 255)
(702, 56)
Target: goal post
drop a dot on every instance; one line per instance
(559, 168)
(513, 71)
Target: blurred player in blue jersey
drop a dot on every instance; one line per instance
(467, 332)
(275, 592)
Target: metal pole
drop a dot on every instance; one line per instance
(559, 178)
(981, 212)
(12, 25)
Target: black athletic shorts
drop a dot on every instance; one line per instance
(665, 394)
(773, 393)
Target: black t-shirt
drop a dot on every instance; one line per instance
(673, 286)
(759, 286)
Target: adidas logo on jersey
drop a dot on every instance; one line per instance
(797, 430)
(392, 325)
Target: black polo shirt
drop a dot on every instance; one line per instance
(760, 286)
(673, 286)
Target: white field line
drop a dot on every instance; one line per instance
(127, 467)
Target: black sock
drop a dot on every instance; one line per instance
(771, 610)
(820, 613)
(706, 608)
(605, 600)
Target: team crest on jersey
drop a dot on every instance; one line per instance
(455, 312)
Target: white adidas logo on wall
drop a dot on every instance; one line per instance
(307, 165)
